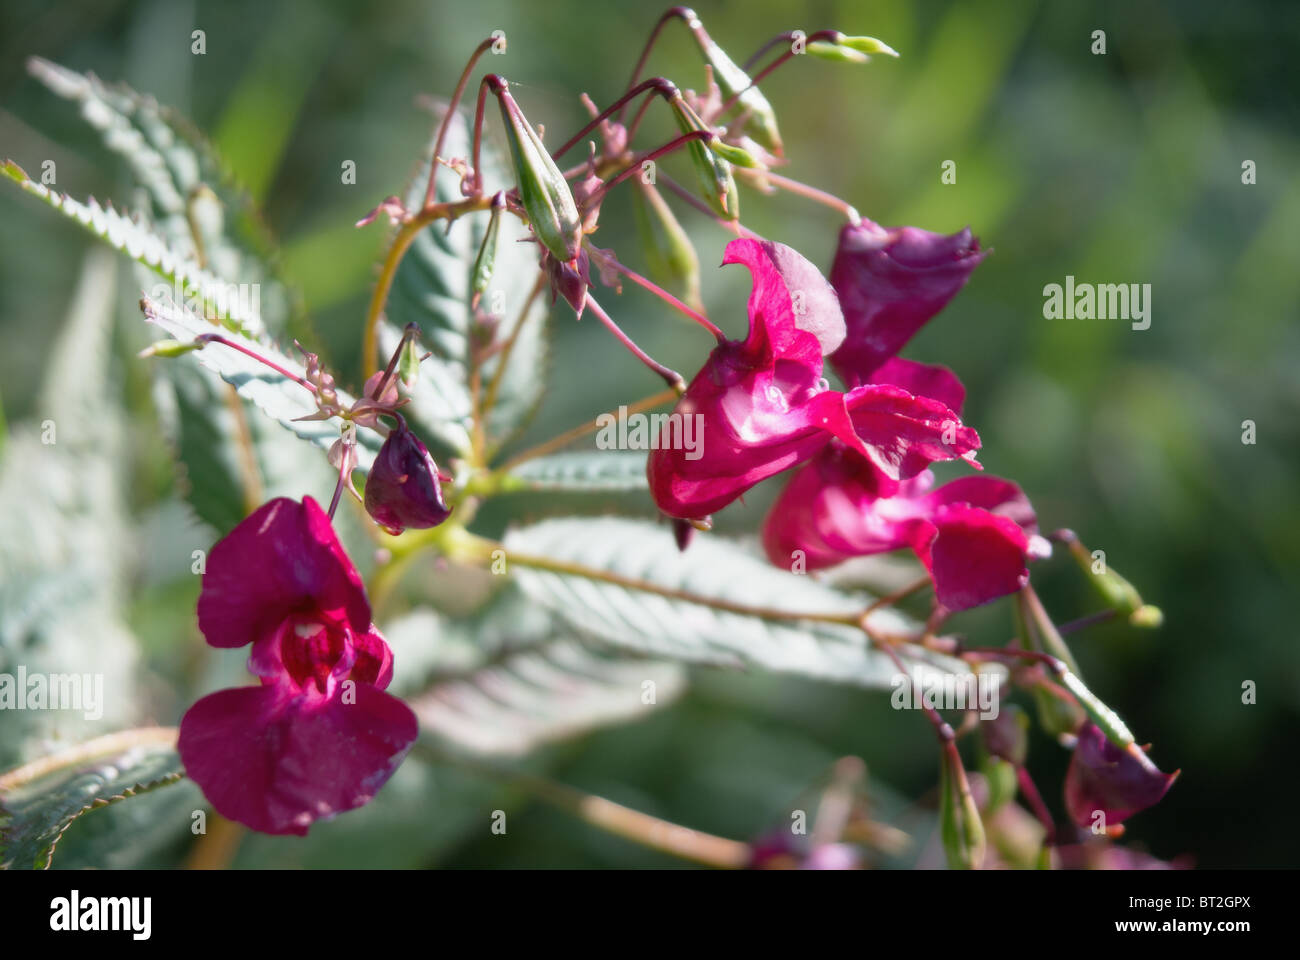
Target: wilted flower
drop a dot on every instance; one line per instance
(404, 486)
(765, 406)
(1112, 780)
(318, 736)
(890, 282)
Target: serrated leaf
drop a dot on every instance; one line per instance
(177, 168)
(550, 693)
(144, 246)
(66, 551)
(34, 816)
(678, 629)
(432, 288)
(278, 397)
(582, 471)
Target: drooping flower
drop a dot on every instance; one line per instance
(317, 736)
(404, 486)
(890, 282)
(974, 535)
(1111, 780)
(763, 406)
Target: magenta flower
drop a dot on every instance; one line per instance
(974, 535)
(318, 736)
(763, 406)
(404, 486)
(1106, 778)
(890, 283)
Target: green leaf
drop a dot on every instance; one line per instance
(433, 286)
(66, 551)
(280, 398)
(35, 815)
(144, 246)
(196, 203)
(549, 693)
(582, 471)
(642, 620)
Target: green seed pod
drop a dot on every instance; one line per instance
(717, 184)
(543, 191)
(487, 253)
(732, 80)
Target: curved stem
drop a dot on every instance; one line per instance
(430, 191)
(406, 234)
(665, 88)
(678, 13)
(675, 144)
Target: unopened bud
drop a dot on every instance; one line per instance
(717, 184)
(404, 487)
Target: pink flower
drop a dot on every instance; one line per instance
(318, 736)
(763, 405)
(1108, 779)
(974, 535)
(890, 283)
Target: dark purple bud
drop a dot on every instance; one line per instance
(1112, 780)
(404, 488)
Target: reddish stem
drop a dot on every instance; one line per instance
(674, 144)
(667, 297)
(671, 377)
(665, 88)
(218, 338)
(430, 191)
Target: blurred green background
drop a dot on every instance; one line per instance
(1122, 168)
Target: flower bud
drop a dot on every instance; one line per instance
(543, 191)
(403, 489)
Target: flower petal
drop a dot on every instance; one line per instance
(890, 283)
(282, 557)
(276, 763)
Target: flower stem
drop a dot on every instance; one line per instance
(733, 226)
(664, 295)
(642, 828)
(671, 377)
(430, 191)
(644, 586)
(218, 338)
(635, 166)
(804, 190)
(406, 234)
(674, 13)
(665, 88)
